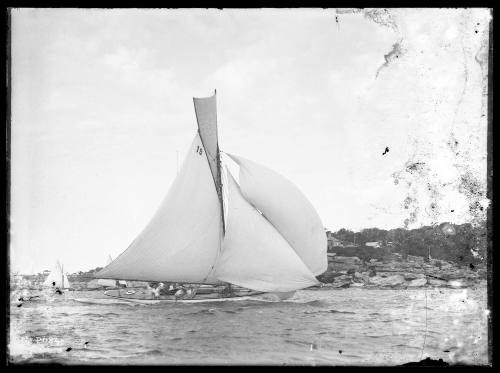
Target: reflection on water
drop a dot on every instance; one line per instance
(316, 327)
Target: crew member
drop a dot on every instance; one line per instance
(180, 293)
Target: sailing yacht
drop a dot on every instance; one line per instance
(256, 237)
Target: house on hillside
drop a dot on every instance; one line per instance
(334, 242)
(375, 244)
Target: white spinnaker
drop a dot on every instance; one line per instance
(288, 210)
(254, 255)
(57, 276)
(181, 242)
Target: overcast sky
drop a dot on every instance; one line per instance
(102, 105)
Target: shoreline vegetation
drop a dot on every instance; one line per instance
(398, 273)
(444, 255)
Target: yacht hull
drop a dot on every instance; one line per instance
(146, 297)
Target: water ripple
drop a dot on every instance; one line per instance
(369, 326)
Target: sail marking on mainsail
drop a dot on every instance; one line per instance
(254, 254)
(181, 242)
(288, 210)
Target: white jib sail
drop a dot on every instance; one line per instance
(58, 277)
(181, 242)
(254, 255)
(288, 210)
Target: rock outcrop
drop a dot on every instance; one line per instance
(396, 272)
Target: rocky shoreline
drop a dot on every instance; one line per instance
(398, 273)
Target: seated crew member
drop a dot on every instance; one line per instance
(191, 292)
(155, 290)
(181, 292)
(159, 289)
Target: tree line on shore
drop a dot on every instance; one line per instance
(462, 244)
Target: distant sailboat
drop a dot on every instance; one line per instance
(99, 283)
(107, 282)
(261, 235)
(58, 277)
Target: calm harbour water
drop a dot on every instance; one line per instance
(353, 326)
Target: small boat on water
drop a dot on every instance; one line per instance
(57, 278)
(258, 237)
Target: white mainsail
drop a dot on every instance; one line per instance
(254, 255)
(181, 242)
(58, 277)
(288, 210)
